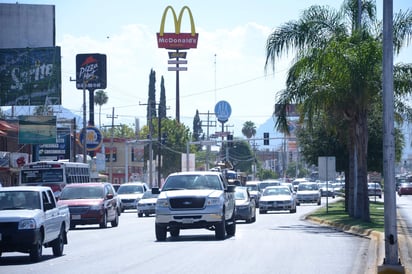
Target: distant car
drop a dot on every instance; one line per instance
(245, 205)
(308, 193)
(405, 189)
(268, 182)
(276, 198)
(147, 204)
(131, 193)
(327, 189)
(90, 203)
(297, 181)
(253, 187)
(374, 189)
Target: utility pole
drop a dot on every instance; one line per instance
(111, 147)
(208, 125)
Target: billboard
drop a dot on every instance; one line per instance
(37, 130)
(91, 71)
(30, 76)
(25, 26)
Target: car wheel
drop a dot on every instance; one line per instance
(319, 202)
(175, 232)
(231, 226)
(115, 222)
(220, 229)
(147, 214)
(139, 214)
(103, 224)
(72, 226)
(293, 210)
(297, 203)
(160, 232)
(58, 244)
(36, 250)
(261, 211)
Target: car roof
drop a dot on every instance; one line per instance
(195, 173)
(87, 184)
(24, 188)
(253, 182)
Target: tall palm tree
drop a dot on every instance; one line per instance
(249, 129)
(100, 98)
(337, 70)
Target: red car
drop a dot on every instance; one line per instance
(91, 203)
(405, 189)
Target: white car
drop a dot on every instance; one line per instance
(131, 193)
(308, 193)
(276, 198)
(147, 204)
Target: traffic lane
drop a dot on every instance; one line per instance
(278, 242)
(404, 209)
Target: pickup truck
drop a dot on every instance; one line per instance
(30, 220)
(198, 199)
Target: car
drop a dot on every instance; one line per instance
(405, 189)
(326, 189)
(245, 207)
(297, 181)
(90, 203)
(268, 182)
(277, 198)
(253, 187)
(131, 193)
(374, 189)
(308, 193)
(147, 204)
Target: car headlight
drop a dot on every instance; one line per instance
(162, 203)
(213, 201)
(96, 207)
(27, 224)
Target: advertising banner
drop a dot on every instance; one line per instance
(91, 71)
(30, 76)
(37, 130)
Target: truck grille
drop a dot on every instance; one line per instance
(187, 202)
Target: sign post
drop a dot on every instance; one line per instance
(327, 171)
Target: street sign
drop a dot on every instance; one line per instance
(177, 68)
(177, 54)
(327, 169)
(177, 62)
(223, 111)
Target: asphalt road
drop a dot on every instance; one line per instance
(275, 243)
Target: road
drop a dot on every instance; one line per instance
(275, 243)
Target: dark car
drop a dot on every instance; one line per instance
(245, 208)
(405, 189)
(90, 203)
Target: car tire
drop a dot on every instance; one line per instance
(58, 244)
(36, 250)
(230, 227)
(175, 232)
(103, 224)
(147, 214)
(261, 211)
(220, 229)
(319, 202)
(115, 222)
(139, 214)
(293, 210)
(160, 232)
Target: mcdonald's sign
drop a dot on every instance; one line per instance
(177, 40)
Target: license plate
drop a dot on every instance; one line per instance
(187, 221)
(76, 217)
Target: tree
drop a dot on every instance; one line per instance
(100, 98)
(162, 102)
(151, 102)
(249, 129)
(338, 70)
(197, 129)
(120, 131)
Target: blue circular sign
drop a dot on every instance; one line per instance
(94, 138)
(223, 111)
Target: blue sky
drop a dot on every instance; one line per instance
(228, 63)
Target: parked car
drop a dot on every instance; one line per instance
(131, 193)
(308, 193)
(253, 187)
(326, 189)
(245, 207)
(90, 203)
(275, 198)
(374, 189)
(405, 189)
(147, 204)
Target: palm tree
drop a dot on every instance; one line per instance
(100, 98)
(337, 71)
(249, 129)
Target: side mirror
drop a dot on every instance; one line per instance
(109, 196)
(155, 190)
(231, 188)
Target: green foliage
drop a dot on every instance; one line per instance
(162, 102)
(249, 129)
(151, 102)
(120, 131)
(264, 174)
(197, 130)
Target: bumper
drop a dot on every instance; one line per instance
(12, 239)
(242, 213)
(86, 219)
(275, 206)
(194, 220)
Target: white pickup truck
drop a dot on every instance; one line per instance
(30, 220)
(196, 199)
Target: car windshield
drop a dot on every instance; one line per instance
(374, 185)
(276, 191)
(19, 200)
(240, 195)
(130, 189)
(192, 182)
(308, 187)
(81, 192)
(252, 187)
(149, 194)
(264, 185)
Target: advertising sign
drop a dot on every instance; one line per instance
(59, 150)
(177, 40)
(29, 76)
(91, 71)
(223, 111)
(94, 138)
(37, 129)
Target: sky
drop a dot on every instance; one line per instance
(228, 63)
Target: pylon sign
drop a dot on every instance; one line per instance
(223, 111)
(177, 40)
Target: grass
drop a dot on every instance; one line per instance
(336, 213)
